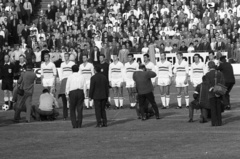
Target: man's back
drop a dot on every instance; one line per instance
(227, 71)
(99, 87)
(28, 81)
(143, 81)
(46, 102)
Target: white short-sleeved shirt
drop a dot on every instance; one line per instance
(130, 68)
(164, 69)
(48, 71)
(87, 70)
(181, 69)
(197, 70)
(116, 71)
(66, 69)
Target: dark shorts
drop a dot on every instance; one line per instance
(7, 86)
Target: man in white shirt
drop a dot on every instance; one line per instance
(86, 69)
(66, 71)
(75, 89)
(48, 73)
(130, 68)
(46, 108)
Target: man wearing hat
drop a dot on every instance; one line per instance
(227, 71)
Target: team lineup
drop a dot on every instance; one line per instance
(121, 75)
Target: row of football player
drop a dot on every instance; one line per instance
(119, 73)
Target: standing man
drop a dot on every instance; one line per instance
(130, 67)
(149, 66)
(116, 76)
(104, 70)
(197, 71)
(164, 75)
(27, 81)
(181, 79)
(86, 69)
(75, 89)
(48, 74)
(7, 76)
(66, 70)
(28, 8)
(99, 93)
(227, 71)
(144, 89)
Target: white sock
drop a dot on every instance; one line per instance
(163, 99)
(91, 103)
(109, 99)
(67, 104)
(86, 102)
(133, 104)
(121, 101)
(179, 99)
(167, 100)
(116, 102)
(10, 99)
(187, 100)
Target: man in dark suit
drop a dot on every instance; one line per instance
(205, 45)
(144, 89)
(41, 25)
(220, 45)
(52, 43)
(227, 71)
(94, 56)
(99, 93)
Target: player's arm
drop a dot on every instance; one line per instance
(92, 69)
(110, 75)
(170, 71)
(54, 71)
(174, 73)
(187, 73)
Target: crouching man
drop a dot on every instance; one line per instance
(200, 101)
(46, 109)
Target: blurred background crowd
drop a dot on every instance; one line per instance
(30, 28)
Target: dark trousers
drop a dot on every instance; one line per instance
(203, 116)
(142, 103)
(100, 111)
(216, 111)
(226, 98)
(38, 113)
(28, 104)
(65, 109)
(28, 16)
(76, 98)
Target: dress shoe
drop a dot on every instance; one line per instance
(144, 118)
(98, 126)
(228, 107)
(190, 120)
(121, 107)
(104, 125)
(157, 117)
(187, 107)
(164, 108)
(179, 107)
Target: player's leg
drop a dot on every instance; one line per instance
(186, 96)
(120, 95)
(10, 98)
(115, 96)
(86, 100)
(130, 96)
(6, 97)
(167, 95)
(91, 101)
(133, 90)
(179, 98)
(163, 99)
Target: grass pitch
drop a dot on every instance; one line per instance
(126, 137)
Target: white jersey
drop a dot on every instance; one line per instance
(116, 71)
(164, 69)
(48, 71)
(129, 70)
(181, 70)
(87, 70)
(151, 67)
(66, 69)
(197, 70)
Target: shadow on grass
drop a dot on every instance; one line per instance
(6, 122)
(231, 119)
(163, 115)
(116, 122)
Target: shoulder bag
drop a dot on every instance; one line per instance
(219, 89)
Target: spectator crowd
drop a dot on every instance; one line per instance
(109, 27)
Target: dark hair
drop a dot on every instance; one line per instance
(180, 53)
(75, 68)
(45, 91)
(197, 55)
(97, 68)
(47, 54)
(146, 55)
(142, 67)
(130, 54)
(102, 55)
(204, 78)
(85, 55)
(29, 66)
(211, 64)
(67, 54)
(211, 52)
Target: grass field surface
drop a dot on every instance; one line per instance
(126, 137)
